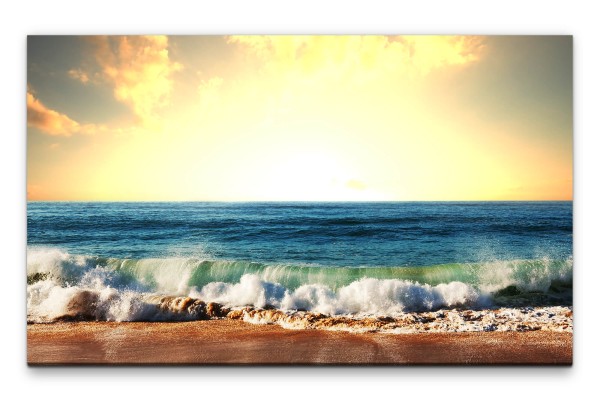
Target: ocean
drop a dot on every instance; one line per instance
(112, 261)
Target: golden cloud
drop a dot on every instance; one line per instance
(48, 120)
(139, 69)
(360, 57)
(54, 123)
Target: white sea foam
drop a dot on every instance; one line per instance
(168, 275)
(251, 290)
(368, 295)
(56, 263)
(552, 318)
(47, 300)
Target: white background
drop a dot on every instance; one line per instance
(17, 20)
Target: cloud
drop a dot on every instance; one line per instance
(79, 75)
(427, 53)
(48, 120)
(52, 122)
(360, 58)
(139, 69)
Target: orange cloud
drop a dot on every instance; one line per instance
(139, 69)
(48, 120)
(52, 122)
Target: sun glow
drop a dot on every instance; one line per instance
(301, 118)
(314, 175)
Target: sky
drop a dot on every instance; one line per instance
(299, 118)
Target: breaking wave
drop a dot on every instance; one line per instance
(65, 286)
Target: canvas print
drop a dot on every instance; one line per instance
(285, 199)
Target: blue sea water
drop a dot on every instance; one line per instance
(207, 249)
(326, 234)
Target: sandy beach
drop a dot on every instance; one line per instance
(237, 342)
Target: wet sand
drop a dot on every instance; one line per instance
(236, 342)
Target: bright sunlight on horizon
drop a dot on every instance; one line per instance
(299, 118)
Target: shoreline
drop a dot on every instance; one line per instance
(235, 342)
(83, 307)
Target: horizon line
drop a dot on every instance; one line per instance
(296, 201)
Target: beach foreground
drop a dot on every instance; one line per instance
(237, 342)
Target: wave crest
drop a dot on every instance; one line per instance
(67, 286)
